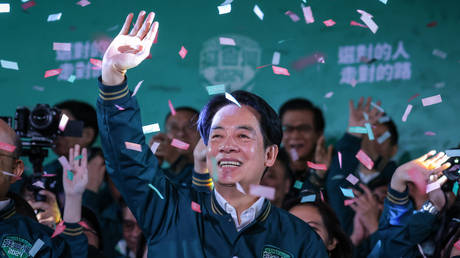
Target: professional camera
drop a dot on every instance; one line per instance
(38, 129)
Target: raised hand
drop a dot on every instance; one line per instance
(356, 114)
(199, 155)
(368, 209)
(129, 48)
(75, 180)
(165, 151)
(49, 214)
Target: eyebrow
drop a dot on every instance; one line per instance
(244, 127)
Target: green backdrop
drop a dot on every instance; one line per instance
(27, 38)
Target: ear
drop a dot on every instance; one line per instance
(270, 155)
(394, 150)
(87, 136)
(18, 169)
(332, 244)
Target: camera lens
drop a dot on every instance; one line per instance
(41, 117)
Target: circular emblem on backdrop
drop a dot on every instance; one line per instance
(234, 66)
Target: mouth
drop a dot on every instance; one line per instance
(229, 163)
(296, 145)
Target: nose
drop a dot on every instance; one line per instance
(228, 145)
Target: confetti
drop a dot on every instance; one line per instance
(27, 5)
(36, 247)
(70, 175)
(258, 12)
(455, 189)
(83, 3)
(276, 58)
(280, 70)
(384, 1)
(298, 184)
(366, 116)
(329, 23)
(154, 147)
(352, 179)
(59, 229)
(216, 89)
(440, 85)
(357, 129)
(413, 97)
(54, 17)
(294, 17)
(83, 224)
(262, 191)
(433, 186)
(349, 202)
(146, 129)
(52, 72)
(171, 108)
(71, 78)
(227, 41)
(7, 147)
(439, 53)
(294, 154)
(224, 9)
(322, 196)
(370, 133)
(38, 88)
(339, 154)
(432, 24)
(307, 61)
(63, 122)
(64, 163)
(240, 188)
(430, 133)
(407, 112)
(384, 119)
(232, 99)
(329, 95)
(179, 144)
(367, 19)
(183, 52)
(457, 245)
(259, 67)
(316, 166)
(379, 108)
(133, 146)
(119, 107)
(156, 190)
(137, 88)
(308, 198)
(307, 14)
(347, 192)
(48, 175)
(383, 137)
(196, 207)
(61, 46)
(9, 65)
(365, 159)
(96, 62)
(431, 100)
(353, 23)
(4, 8)
(453, 153)
(11, 174)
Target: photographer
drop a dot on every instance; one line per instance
(23, 236)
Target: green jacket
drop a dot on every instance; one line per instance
(19, 234)
(172, 228)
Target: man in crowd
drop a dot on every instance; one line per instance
(242, 143)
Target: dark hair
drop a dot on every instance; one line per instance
(344, 247)
(194, 112)
(90, 217)
(270, 124)
(83, 112)
(393, 130)
(304, 104)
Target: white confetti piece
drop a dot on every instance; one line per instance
(232, 99)
(262, 191)
(224, 9)
(276, 58)
(384, 137)
(4, 8)
(151, 128)
(216, 89)
(329, 95)
(9, 65)
(63, 122)
(431, 100)
(38, 88)
(36, 247)
(308, 15)
(367, 19)
(258, 12)
(137, 88)
(39, 184)
(154, 147)
(227, 41)
(64, 163)
(439, 53)
(407, 112)
(54, 17)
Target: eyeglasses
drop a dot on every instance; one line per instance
(302, 128)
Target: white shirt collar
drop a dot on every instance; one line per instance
(247, 216)
(4, 203)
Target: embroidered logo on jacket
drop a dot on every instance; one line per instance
(15, 247)
(275, 252)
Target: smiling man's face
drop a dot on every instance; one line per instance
(236, 142)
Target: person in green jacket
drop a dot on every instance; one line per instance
(242, 141)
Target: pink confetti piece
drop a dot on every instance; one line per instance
(227, 41)
(52, 72)
(133, 146)
(240, 188)
(339, 154)
(316, 166)
(329, 23)
(307, 14)
(48, 175)
(349, 202)
(329, 95)
(262, 191)
(59, 229)
(137, 88)
(431, 100)
(119, 107)
(83, 224)
(63, 122)
(171, 108)
(457, 245)
(9, 65)
(433, 186)
(258, 12)
(183, 52)
(232, 99)
(259, 67)
(365, 159)
(413, 97)
(430, 133)
(196, 207)
(83, 3)
(294, 17)
(353, 23)
(418, 179)
(179, 144)
(27, 5)
(407, 112)
(352, 179)
(61, 46)
(7, 147)
(154, 147)
(280, 70)
(64, 163)
(96, 62)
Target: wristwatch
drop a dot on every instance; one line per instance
(429, 207)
